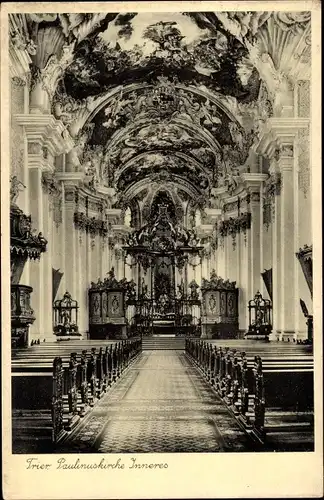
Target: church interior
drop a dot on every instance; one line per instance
(160, 232)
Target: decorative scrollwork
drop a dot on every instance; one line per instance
(216, 282)
(233, 226)
(272, 188)
(90, 224)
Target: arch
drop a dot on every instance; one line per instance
(199, 132)
(104, 99)
(178, 154)
(134, 191)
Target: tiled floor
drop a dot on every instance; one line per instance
(162, 404)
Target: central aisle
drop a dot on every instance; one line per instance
(162, 404)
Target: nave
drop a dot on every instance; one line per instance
(162, 405)
(163, 394)
(161, 184)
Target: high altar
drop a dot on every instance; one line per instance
(162, 297)
(167, 299)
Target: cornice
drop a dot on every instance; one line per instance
(47, 130)
(70, 178)
(204, 230)
(279, 130)
(213, 213)
(113, 212)
(253, 180)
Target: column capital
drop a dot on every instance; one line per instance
(47, 137)
(220, 192)
(70, 179)
(253, 181)
(213, 213)
(113, 215)
(278, 131)
(204, 230)
(109, 194)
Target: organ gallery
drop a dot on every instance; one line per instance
(160, 223)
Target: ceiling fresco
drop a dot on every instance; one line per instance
(161, 98)
(140, 47)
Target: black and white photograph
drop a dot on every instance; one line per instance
(160, 215)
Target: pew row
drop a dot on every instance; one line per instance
(269, 397)
(50, 397)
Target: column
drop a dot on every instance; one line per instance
(70, 255)
(276, 269)
(36, 268)
(255, 264)
(74, 264)
(47, 258)
(287, 251)
(39, 101)
(44, 143)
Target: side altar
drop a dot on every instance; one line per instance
(107, 307)
(219, 318)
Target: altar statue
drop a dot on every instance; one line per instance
(144, 289)
(181, 289)
(15, 187)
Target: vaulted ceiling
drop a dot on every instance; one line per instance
(166, 88)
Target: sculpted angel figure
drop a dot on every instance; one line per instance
(236, 134)
(210, 118)
(190, 109)
(16, 186)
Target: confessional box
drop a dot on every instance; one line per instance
(220, 314)
(107, 314)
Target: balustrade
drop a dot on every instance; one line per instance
(240, 386)
(77, 386)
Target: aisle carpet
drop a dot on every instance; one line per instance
(162, 404)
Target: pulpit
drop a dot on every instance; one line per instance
(23, 246)
(22, 315)
(107, 308)
(219, 308)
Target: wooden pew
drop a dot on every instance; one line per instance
(64, 390)
(257, 390)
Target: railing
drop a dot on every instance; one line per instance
(184, 314)
(240, 386)
(79, 385)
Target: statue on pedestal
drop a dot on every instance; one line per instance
(181, 291)
(144, 290)
(194, 290)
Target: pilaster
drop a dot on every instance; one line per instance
(287, 231)
(254, 185)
